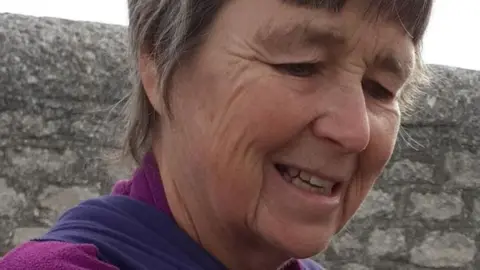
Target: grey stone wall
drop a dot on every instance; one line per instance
(60, 82)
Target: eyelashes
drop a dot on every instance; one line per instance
(370, 87)
(301, 70)
(376, 90)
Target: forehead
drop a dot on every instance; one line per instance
(297, 25)
(413, 15)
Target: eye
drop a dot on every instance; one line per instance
(301, 70)
(376, 90)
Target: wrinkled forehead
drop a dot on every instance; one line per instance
(412, 15)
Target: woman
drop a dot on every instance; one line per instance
(268, 122)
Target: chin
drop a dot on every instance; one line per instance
(301, 242)
(308, 250)
(309, 246)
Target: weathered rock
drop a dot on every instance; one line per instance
(377, 202)
(354, 266)
(409, 171)
(60, 86)
(7, 225)
(21, 235)
(464, 169)
(437, 206)
(57, 200)
(444, 250)
(476, 210)
(10, 201)
(345, 244)
(33, 160)
(385, 242)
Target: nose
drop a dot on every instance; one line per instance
(343, 119)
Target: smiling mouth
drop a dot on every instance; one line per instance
(306, 181)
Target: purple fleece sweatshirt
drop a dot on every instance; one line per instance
(145, 187)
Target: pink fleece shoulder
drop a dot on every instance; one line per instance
(53, 255)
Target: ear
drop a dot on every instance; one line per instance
(150, 79)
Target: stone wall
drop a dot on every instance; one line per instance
(60, 82)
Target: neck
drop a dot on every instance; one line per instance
(234, 249)
(238, 252)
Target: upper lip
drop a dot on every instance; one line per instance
(318, 173)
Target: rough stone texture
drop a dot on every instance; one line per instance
(346, 243)
(377, 203)
(22, 235)
(411, 171)
(476, 210)
(440, 207)
(11, 201)
(444, 250)
(60, 82)
(354, 266)
(56, 200)
(382, 242)
(464, 169)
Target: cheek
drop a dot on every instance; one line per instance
(372, 161)
(252, 120)
(384, 130)
(256, 120)
(263, 109)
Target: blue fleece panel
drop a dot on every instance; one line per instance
(130, 234)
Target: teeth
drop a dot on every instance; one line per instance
(293, 172)
(301, 184)
(308, 182)
(325, 185)
(305, 176)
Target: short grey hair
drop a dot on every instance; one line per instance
(168, 31)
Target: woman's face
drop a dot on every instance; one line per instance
(283, 121)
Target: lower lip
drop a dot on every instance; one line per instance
(309, 199)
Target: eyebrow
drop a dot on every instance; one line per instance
(389, 62)
(317, 4)
(302, 33)
(283, 38)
